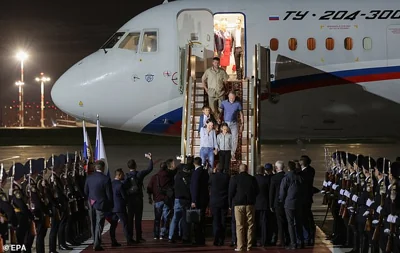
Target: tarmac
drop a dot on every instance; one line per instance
(118, 156)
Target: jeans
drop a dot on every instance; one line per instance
(161, 214)
(233, 126)
(224, 160)
(207, 153)
(179, 219)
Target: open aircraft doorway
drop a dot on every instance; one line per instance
(230, 43)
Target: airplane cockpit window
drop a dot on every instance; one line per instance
(149, 43)
(131, 41)
(110, 43)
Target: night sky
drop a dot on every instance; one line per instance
(56, 34)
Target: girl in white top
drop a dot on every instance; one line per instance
(224, 140)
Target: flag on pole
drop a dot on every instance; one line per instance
(100, 151)
(87, 147)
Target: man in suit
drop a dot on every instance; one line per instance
(277, 206)
(119, 210)
(99, 192)
(243, 191)
(262, 206)
(293, 193)
(219, 183)
(200, 198)
(308, 174)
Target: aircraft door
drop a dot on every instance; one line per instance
(393, 42)
(196, 27)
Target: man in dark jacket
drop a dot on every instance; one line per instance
(219, 183)
(119, 210)
(98, 190)
(161, 187)
(262, 206)
(291, 193)
(182, 202)
(200, 198)
(308, 174)
(277, 206)
(134, 185)
(243, 191)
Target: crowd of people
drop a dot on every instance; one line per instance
(266, 209)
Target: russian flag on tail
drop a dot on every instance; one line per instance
(100, 150)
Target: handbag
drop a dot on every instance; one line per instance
(193, 216)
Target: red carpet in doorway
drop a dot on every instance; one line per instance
(152, 245)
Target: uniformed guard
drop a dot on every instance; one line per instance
(365, 211)
(83, 213)
(8, 218)
(378, 237)
(393, 217)
(63, 200)
(20, 203)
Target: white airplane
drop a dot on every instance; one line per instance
(335, 65)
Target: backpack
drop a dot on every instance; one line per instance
(133, 186)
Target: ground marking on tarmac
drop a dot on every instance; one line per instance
(10, 158)
(89, 242)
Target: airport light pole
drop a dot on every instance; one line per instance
(21, 56)
(42, 79)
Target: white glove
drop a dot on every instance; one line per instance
(341, 192)
(366, 213)
(375, 222)
(325, 184)
(335, 186)
(395, 219)
(347, 194)
(379, 209)
(389, 218)
(370, 202)
(386, 231)
(339, 202)
(329, 183)
(350, 208)
(323, 192)
(354, 198)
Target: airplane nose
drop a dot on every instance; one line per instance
(64, 90)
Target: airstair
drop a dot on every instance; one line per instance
(248, 92)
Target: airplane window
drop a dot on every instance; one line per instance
(274, 44)
(329, 43)
(311, 44)
(149, 43)
(367, 43)
(110, 43)
(131, 41)
(348, 43)
(292, 44)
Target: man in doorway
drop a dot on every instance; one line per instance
(230, 109)
(238, 48)
(214, 81)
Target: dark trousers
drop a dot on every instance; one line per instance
(356, 236)
(30, 237)
(261, 226)
(295, 225)
(219, 225)
(55, 224)
(23, 229)
(309, 224)
(123, 217)
(135, 212)
(224, 157)
(339, 228)
(71, 227)
(272, 229)
(199, 228)
(282, 224)
(349, 231)
(233, 225)
(364, 235)
(40, 235)
(238, 58)
(62, 240)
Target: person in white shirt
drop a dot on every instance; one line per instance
(224, 140)
(208, 144)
